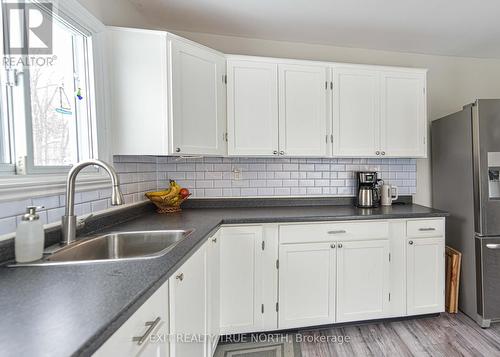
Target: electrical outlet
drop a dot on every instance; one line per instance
(236, 174)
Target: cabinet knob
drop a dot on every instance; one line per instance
(178, 150)
(214, 240)
(275, 152)
(383, 152)
(340, 245)
(410, 242)
(180, 277)
(332, 245)
(377, 152)
(282, 153)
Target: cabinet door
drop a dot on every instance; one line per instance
(153, 311)
(425, 275)
(306, 285)
(139, 96)
(403, 115)
(362, 280)
(303, 112)
(198, 103)
(241, 282)
(213, 292)
(356, 112)
(252, 108)
(188, 306)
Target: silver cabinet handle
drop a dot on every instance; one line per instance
(152, 325)
(493, 246)
(377, 152)
(410, 242)
(340, 231)
(340, 245)
(332, 246)
(282, 152)
(275, 152)
(429, 229)
(180, 277)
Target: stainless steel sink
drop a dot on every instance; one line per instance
(114, 247)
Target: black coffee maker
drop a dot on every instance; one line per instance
(368, 194)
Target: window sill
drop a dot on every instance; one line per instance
(29, 186)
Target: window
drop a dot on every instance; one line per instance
(47, 118)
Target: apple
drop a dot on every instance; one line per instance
(184, 192)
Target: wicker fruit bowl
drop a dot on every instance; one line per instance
(170, 200)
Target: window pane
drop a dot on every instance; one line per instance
(55, 106)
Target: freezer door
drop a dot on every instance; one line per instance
(488, 271)
(486, 148)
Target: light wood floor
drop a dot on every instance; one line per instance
(446, 335)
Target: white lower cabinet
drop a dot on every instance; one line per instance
(425, 275)
(363, 280)
(247, 277)
(145, 333)
(194, 301)
(188, 307)
(257, 278)
(306, 284)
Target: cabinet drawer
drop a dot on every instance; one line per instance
(327, 232)
(425, 228)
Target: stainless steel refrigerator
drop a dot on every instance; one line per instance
(466, 183)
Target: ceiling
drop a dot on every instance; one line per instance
(442, 27)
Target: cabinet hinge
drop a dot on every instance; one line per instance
(277, 263)
(263, 245)
(277, 306)
(262, 308)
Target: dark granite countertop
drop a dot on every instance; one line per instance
(73, 309)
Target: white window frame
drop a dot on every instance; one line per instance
(46, 183)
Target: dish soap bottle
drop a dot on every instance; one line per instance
(30, 237)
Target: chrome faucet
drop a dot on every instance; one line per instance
(69, 223)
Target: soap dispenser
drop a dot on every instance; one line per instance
(30, 237)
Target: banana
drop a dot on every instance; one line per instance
(173, 192)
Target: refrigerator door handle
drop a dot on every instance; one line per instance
(492, 246)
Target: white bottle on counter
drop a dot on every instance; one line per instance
(30, 237)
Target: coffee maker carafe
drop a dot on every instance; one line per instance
(368, 195)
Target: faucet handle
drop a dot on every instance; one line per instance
(82, 221)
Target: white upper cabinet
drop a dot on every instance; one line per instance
(198, 99)
(137, 71)
(252, 108)
(356, 112)
(403, 114)
(303, 112)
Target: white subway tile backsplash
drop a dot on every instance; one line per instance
(217, 177)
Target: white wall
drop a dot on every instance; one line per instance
(452, 81)
(116, 12)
